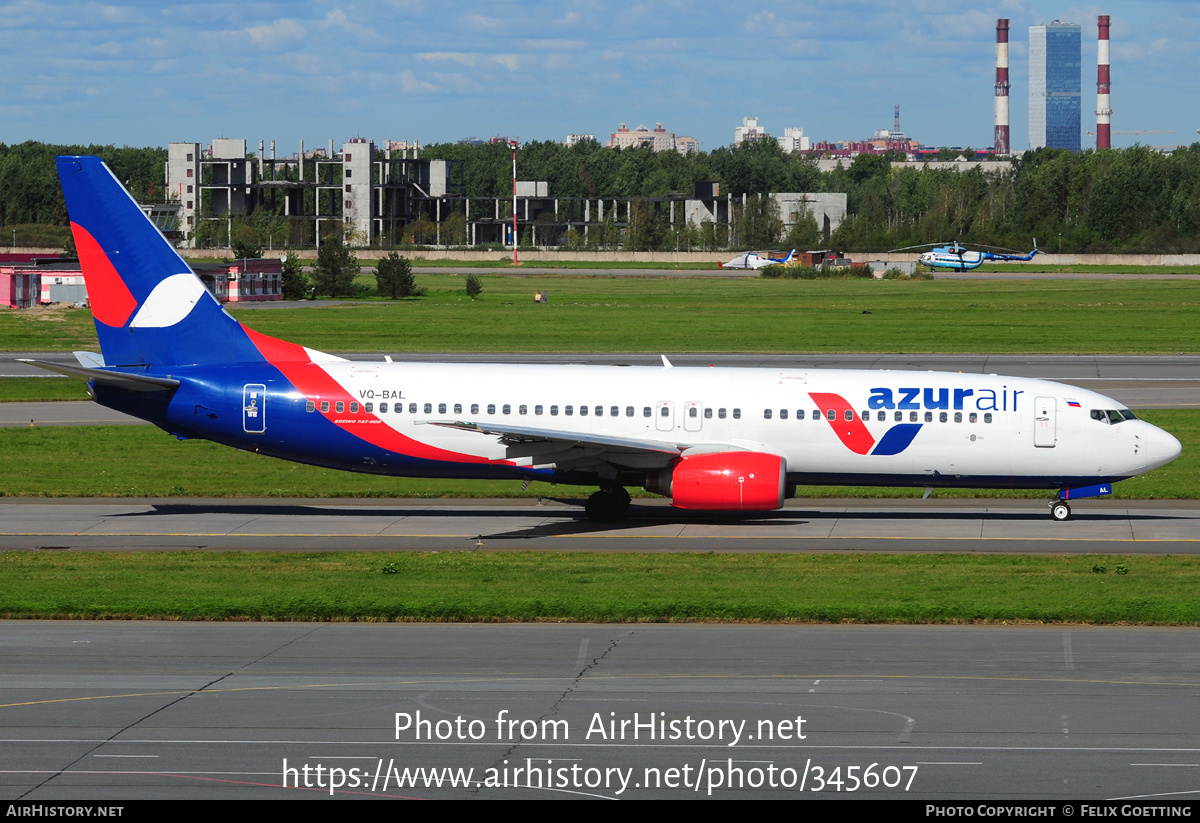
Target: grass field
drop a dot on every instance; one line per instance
(123, 461)
(587, 586)
(34, 389)
(716, 314)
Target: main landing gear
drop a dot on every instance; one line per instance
(608, 505)
(1059, 510)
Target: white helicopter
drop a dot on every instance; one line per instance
(954, 257)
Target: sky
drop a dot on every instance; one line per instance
(146, 74)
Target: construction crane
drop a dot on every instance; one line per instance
(1134, 131)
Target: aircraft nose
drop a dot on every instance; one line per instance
(1161, 447)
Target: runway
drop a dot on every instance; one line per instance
(109, 712)
(1119, 527)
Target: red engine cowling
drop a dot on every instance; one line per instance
(727, 481)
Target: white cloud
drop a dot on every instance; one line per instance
(276, 34)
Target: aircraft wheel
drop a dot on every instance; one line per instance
(1060, 512)
(608, 505)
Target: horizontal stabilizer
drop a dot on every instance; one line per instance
(129, 382)
(90, 359)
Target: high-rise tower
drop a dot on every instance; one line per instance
(1054, 86)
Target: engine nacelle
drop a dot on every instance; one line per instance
(724, 481)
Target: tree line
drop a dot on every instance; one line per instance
(1131, 200)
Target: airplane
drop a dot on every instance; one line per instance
(754, 260)
(711, 439)
(956, 258)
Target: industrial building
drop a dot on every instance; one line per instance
(375, 193)
(1055, 86)
(370, 193)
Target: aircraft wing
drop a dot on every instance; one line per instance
(573, 451)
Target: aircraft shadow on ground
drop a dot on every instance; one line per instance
(559, 521)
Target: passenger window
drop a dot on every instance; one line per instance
(568, 410)
(615, 411)
(665, 411)
(721, 414)
(881, 416)
(898, 416)
(599, 411)
(708, 414)
(582, 411)
(412, 408)
(645, 411)
(368, 407)
(441, 408)
(340, 407)
(830, 414)
(766, 414)
(693, 411)
(928, 417)
(737, 414)
(912, 417)
(958, 417)
(942, 417)
(491, 408)
(783, 414)
(799, 414)
(554, 411)
(474, 408)
(507, 409)
(324, 407)
(310, 406)
(522, 410)
(629, 411)
(537, 410)
(974, 417)
(429, 408)
(987, 417)
(384, 406)
(354, 408)
(817, 414)
(458, 408)
(866, 416)
(849, 415)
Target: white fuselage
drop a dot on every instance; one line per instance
(919, 428)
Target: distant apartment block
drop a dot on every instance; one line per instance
(749, 132)
(793, 140)
(658, 139)
(572, 139)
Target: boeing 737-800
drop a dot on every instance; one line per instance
(723, 439)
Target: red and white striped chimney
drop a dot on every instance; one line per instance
(1103, 107)
(1002, 146)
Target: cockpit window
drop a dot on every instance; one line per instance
(1112, 416)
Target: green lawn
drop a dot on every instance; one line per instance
(656, 314)
(590, 586)
(34, 389)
